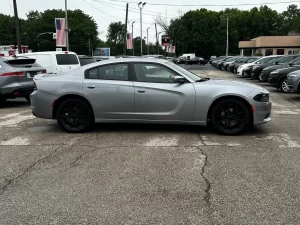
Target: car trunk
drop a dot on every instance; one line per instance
(26, 69)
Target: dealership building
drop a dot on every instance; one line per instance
(271, 45)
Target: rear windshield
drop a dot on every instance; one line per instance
(21, 63)
(85, 61)
(66, 59)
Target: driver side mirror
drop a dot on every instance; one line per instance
(179, 79)
(291, 64)
(276, 63)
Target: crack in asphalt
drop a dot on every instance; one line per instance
(10, 181)
(207, 196)
(73, 163)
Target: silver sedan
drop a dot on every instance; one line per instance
(141, 90)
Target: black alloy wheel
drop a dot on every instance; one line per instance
(74, 115)
(260, 78)
(230, 116)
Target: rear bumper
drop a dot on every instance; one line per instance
(17, 92)
(41, 104)
(262, 113)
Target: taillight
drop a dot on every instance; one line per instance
(44, 71)
(12, 74)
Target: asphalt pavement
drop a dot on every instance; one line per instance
(150, 174)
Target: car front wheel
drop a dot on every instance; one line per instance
(74, 115)
(230, 116)
(284, 85)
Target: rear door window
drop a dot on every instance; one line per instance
(67, 59)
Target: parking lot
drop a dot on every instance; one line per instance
(150, 174)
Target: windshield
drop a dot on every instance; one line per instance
(264, 60)
(286, 59)
(250, 60)
(275, 59)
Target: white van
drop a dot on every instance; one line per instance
(189, 56)
(55, 62)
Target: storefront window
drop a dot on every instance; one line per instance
(269, 52)
(280, 51)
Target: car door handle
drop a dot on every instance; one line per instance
(141, 91)
(91, 86)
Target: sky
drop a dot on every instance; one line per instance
(106, 11)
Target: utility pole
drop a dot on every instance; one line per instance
(17, 26)
(227, 42)
(67, 28)
(132, 38)
(156, 39)
(89, 45)
(148, 40)
(141, 5)
(125, 35)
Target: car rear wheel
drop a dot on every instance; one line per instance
(284, 85)
(230, 116)
(74, 115)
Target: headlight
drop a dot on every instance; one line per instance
(261, 98)
(274, 72)
(292, 75)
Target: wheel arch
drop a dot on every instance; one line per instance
(62, 98)
(221, 98)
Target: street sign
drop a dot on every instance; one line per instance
(165, 40)
(58, 49)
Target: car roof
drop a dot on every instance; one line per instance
(47, 52)
(127, 60)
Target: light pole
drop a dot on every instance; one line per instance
(37, 37)
(67, 28)
(141, 5)
(148, 39)
(132, 38)
(89, 44)
(227, 31)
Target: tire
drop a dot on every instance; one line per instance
(223, 120)
(283, 85)
(260, 79)
(82, 118)
(2, 100)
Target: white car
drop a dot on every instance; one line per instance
(55, 62)
(240, 71)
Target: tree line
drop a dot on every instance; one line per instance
(200, 31)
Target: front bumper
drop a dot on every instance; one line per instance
(262, 113)
(272, 81)
(247, 72)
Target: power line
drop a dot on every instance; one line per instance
(211, 5)
(131, 8)
(122, 9)
(101, 10)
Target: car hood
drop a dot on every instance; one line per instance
(287, 70)
(272, 68)
(233, 83)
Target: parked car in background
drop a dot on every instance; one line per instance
(154, 56)
(228, 62)
(214, 62)
(278, 78)
(231, 65)
(149, 91)
(280, 64)
(16, 77)
(196, 60)
(293, 81)
(257, 69)
(246, 69)
(221, 62)
(249, 59)
(212, 58)
(55, 62)
(84, 60)
(181, 60)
